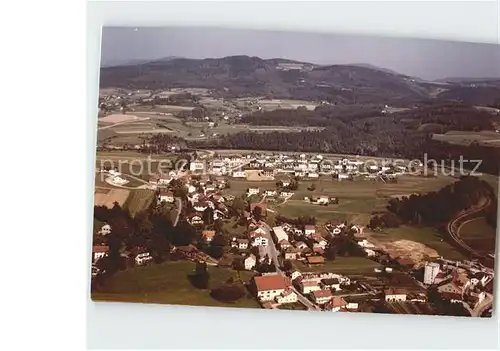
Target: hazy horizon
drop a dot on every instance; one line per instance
(423, 58)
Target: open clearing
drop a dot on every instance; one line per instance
(107, 197)
(139, 200)
(168, 283)
(489, 138)
(425, 235)
(118, 118)
(478, 234)
(341, 265)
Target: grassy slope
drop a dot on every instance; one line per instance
(167, 283)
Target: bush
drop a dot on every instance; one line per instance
(228, 292)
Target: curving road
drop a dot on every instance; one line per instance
(454, 235)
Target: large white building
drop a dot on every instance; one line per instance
(280, 234)
(197, 166)
(269, 287)
(430, 272)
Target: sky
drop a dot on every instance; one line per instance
(426, 59)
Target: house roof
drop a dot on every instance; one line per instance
(100, 249)
(208, 233)
(451, 296)
(322, 293)
(338, 302)
(395, 291)
(309, 283)
(242, 241)
(284, 242)
(315, 259)
(166, 192)
(330, 281)
(310, 227)
(271, 282)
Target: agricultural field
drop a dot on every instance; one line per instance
(341, 265)
(478, 234)
(168, 283)
(139, 200)
(107, 197)
(488, 138)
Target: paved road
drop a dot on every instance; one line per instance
(483, 306)
(179, 209)
(273, 253)
(454, 235)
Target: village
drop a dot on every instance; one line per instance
(293, 261)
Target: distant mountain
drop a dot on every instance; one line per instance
(367, 65)
(114, 63)
(236, 76)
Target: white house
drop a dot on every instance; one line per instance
(295, 275)
(269, 287)
(239, 174)
(280, 234)
(395, 295)
(242, 244)
(250, 262)
(142, 258)
(105, 230)
(259, 240)
(285, 183)
(253, 190)
(284, 244)
(197, 166)
(286, 194)
(190, 188)
(322, 296)
(309, 230)
(196, 220)
(369, 252)
(352, 305)
(308, 286)
(99, 252)
(271, 192)
(337, 303)
(330, 284)
(200, 206)
(166, 195)
(288, 296)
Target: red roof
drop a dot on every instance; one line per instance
(322, 293)
(270, 282)
(262, 206)
(395, 291)
(311, 227)
(338, 302)
(315, 259)
(100, 248)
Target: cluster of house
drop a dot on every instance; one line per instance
(139, 256)
(303, 166)
(114, 177)
(458, 282)
(320, 288)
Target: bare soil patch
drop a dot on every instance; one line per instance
(109, 198)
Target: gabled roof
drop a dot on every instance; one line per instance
(100, 249)
(271, 282)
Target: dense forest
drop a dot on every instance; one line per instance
(436, 208)
(444, 117)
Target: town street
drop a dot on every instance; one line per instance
(273, 253)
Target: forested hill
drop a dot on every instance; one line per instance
(238, 76)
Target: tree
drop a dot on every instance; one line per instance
(228, 292)
(238, 205)
(200, 277)
(257, 213)
(287, 265)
